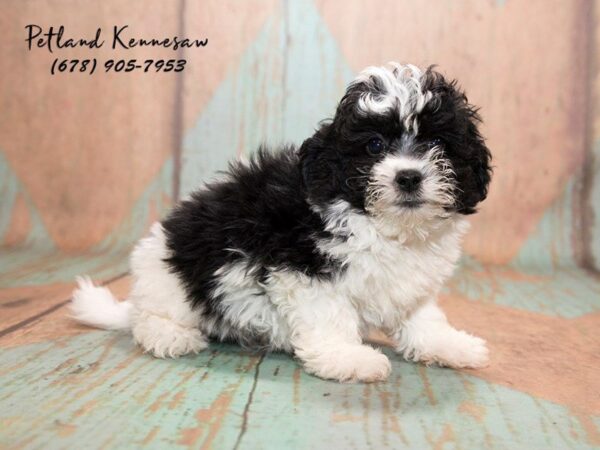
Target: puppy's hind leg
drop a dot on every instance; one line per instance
(163, 322)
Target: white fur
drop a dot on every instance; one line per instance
(436, 189)
(325, 329)
(157, 312)
(391, 268)
(246, 305)
(402, 91)
(388, 278)
(163, 321)
(427, 337)
(393, 272)
(97, 307)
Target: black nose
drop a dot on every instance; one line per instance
(409, 180)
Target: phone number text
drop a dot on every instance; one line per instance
(92, 65)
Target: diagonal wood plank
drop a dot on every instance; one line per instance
(38, 313)
(60, 391)
(549, 357)
(64, 379)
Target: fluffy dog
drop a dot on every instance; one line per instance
(307, 250)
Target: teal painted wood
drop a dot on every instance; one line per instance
(595, 204)
(552, 243)
(101, 378)
(568, 292)
(8, 193)
(40, 262)
(243, 105)
(28, 266)
(417, 407)
(98, 390)
(10, 188)
(316, 72)
(289, 78)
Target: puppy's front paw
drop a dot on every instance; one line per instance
(459, 350)
(352, 364)
(371, 367)
(476, 355)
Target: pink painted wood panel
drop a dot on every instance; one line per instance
(84, 147)
(83, 150)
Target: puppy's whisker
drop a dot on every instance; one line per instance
(358, 177)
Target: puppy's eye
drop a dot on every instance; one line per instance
(375, 146)
(434, 143)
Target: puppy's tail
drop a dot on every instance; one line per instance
(97, 306)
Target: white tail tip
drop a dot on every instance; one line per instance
(96, 306)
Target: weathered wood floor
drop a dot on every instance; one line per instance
(66, 386)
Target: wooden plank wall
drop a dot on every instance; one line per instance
(87, 162)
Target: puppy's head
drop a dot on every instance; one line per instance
(404, 143)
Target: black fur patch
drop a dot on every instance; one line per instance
(259, 214)
(453, 120)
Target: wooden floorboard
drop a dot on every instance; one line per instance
(45, 317)
(63, 385)
(21, 304)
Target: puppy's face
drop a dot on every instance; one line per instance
(403, 143)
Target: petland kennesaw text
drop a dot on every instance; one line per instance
(55, 39)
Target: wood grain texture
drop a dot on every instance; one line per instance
(40, 313)
(85, 147)
(271, 71)
(519, 62)
(591, 176)
(540, 391)
(22, 303)
(231, 27)
(28, 266)
(87, 163)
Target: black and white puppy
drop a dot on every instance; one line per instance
(307, 250)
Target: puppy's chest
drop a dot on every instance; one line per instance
(387, 278)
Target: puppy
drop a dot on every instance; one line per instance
(307, 250)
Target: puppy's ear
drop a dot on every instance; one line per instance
(318, 162)
(470, 156)
(477, 172)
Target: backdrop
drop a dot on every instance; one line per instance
(87, 162)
